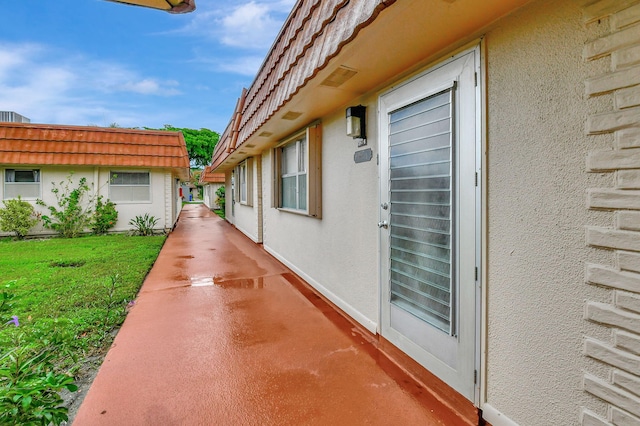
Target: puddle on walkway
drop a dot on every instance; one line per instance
(241, 283)
(201, 281)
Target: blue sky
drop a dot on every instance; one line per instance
(93, 62)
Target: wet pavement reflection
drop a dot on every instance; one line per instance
(224, 334)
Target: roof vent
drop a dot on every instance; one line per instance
(339, 76)
(291, 115)
(265, 134)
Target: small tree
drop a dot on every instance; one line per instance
(17, 216)
(72, 215)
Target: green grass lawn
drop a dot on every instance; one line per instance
(70, 294)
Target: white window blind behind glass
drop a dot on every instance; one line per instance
(130, 186)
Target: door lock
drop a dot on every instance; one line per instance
(384, 224)
(384, 206)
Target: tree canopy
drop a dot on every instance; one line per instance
(200, 143)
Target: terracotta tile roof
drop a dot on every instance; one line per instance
(207, 176)
(223, 147)
(43, 144)
(314, 33)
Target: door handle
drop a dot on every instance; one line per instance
(384, 224)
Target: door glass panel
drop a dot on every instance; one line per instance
(421, 191)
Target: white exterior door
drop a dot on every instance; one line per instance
(429, 163)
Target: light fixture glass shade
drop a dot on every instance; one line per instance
(356, 121)
(353, 126)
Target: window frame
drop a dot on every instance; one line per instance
(243, 182)
(128, 201)
(244, 186)
(37, 180)
(312, 136)
(299, 146)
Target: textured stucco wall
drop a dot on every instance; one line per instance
(245, 217)
(209, 195)
(537, 214)
(48, 175)
(228, 191)
(160, 192)
(340, 251)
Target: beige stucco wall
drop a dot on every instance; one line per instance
(209, 195)
(338, 253)
(160, 194)
(228, 207)
(537, 180)
(245, 216)
(97, 179)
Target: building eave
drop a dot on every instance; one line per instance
(171, 6)
(321, 39)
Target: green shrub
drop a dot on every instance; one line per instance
(143, 225)
(72, 215)
(18, 217)
(221, 199)
(30, 386)
(104, 216)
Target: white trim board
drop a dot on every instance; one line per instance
(495, 417)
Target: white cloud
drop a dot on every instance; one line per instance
(54, 87)
(248, 28)
(249, 25)
(111, 77)
(243, 65)
(149, 86)
(12, 58)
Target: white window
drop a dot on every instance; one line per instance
(129, 186)
(245, 182)
(293, 175)
(24, 183)
(297, 185)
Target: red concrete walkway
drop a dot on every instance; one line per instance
(223, 334)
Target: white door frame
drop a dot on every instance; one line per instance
(464, 377)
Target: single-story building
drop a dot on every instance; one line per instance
(462, 179)
(139, 170)
(211, 182)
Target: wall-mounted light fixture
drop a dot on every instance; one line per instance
(356, 126)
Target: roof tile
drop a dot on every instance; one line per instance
(39, 144)
(315, 31)
(207, 176)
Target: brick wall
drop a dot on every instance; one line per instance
(621, 389)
